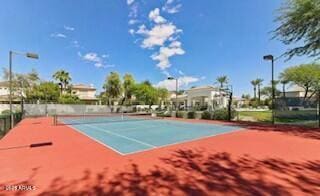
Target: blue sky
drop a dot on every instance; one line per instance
(194, 40)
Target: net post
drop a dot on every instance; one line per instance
(55, 120)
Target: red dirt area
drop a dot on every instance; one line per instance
(258, 160)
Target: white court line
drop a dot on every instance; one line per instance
(94, 139)
(131, 128)
(122, 136)
(157, 147)
(185, 141)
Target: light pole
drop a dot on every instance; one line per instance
(172, 78)
(11, 53)
(271, 58)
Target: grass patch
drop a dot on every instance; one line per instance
(259, 116)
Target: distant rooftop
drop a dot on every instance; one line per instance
(83, 86)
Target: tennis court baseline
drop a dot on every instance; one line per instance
(127, 136)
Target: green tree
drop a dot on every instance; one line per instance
(307, 76)
(267, 91)
(163, 94)
(113, 86)
(146, 93)
(68, 99)
(128, 87)
(222, 80)
(64, 78)
(300, 25)
(22, 82)
(47, 91)
(147, 82)
(245, 96)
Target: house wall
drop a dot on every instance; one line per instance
(84, 93)
(206, 96)
(4, 90)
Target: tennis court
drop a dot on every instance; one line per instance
(127, 134)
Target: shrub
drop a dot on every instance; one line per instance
(68, 99)
(206, 115)
(179, 114)
(191, 115)
(5, 112)
(164, 114)
(222, 114)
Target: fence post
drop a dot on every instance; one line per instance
(319, 108)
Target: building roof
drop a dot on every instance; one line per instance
(83, 87)
(203, 87)
(4, 83)
(88, 98)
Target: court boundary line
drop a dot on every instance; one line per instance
(185, 141)
(95, 140)
(122, 136)
(157, 147)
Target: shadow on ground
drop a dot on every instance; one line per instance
(294, 130)
(189, 172)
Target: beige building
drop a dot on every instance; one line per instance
(295, 92)
(86, 93)
(4, 93)
(208, 97)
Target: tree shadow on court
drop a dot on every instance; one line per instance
(190, 172)
(300, 131)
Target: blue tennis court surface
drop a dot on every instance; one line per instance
(131, 136)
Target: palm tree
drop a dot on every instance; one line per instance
(259, 83)
(222, 80)
(63, 77)
(113, 85)
(254, 84)
(284, 83)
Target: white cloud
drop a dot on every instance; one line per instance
(183, 81)
(133, 11)
(166, 73)
(158, 35)
(58, 35)
(96, 59)
(75, 44)
(170, 8)
(154, 16)
(169, 1)
(133, 21)
(180, 72)
(129, 2)
(131, 31)
(68, 28)
(165, 53)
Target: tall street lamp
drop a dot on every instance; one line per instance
(11, 53)
(172, 78)
(271, 58)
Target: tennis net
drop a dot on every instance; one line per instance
(73, 119)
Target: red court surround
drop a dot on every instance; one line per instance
(261, 160)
